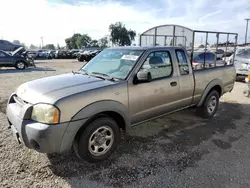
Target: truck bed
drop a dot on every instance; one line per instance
(203, 77)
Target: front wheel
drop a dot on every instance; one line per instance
(209, 106)
(98, 141)
(20, 65)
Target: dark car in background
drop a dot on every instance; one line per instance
(75, 52)
(8, 46)
(32, 53)
(87, 55)
(63, 54)
(220, 53)
(42, 54)
(51, 54)
(206, 58)
(15, 59)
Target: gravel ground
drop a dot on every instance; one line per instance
(179, 150)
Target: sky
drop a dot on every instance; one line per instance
(55, 20)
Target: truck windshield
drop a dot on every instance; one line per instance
(115, 63)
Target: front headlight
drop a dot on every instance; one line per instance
(45, 113)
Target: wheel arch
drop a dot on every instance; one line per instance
(21, 60)
(108, 108)
(213, 85)
(111, 114)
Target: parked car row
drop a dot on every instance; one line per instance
(54, 54)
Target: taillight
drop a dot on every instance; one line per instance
(194, 61)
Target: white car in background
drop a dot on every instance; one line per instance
(241, 62)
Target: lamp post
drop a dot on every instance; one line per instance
(247, 19)
(42, 41)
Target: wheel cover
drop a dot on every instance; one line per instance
(101, 140)
(211, 105)
(20, 65)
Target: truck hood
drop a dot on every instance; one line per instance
(51, 89)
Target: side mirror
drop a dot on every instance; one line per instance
(144, 76)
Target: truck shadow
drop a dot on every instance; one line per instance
(30, 69)
(167, 142)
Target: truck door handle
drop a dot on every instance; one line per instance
(173, 84)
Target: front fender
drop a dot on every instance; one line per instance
(208, 89)
(103, 106)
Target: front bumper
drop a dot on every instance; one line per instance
(41, 137)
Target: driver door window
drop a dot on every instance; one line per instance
(159, 64)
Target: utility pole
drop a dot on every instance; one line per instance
(42, 41)
(247, 19)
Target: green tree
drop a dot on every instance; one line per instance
(49, 47)
(120, 35)
(78, 41)
(74, 39)
(32, 46)
(68, 43)
(83, 41)
(94, 43)
(201, 46)
(103, 42)
(71, 42)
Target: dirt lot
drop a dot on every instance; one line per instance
(179, 150)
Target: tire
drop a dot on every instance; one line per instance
(20, 65)
(210, 105)
(246, 93)
(80, 59)
(91, 144)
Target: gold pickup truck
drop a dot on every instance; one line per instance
(119, 88)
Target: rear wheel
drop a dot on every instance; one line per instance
(210, 105)
(20, 65)
(98, 141)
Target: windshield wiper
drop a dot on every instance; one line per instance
(100, 74)
(79, 72)
(103, 76)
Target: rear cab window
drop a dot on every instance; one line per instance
(182, 62)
